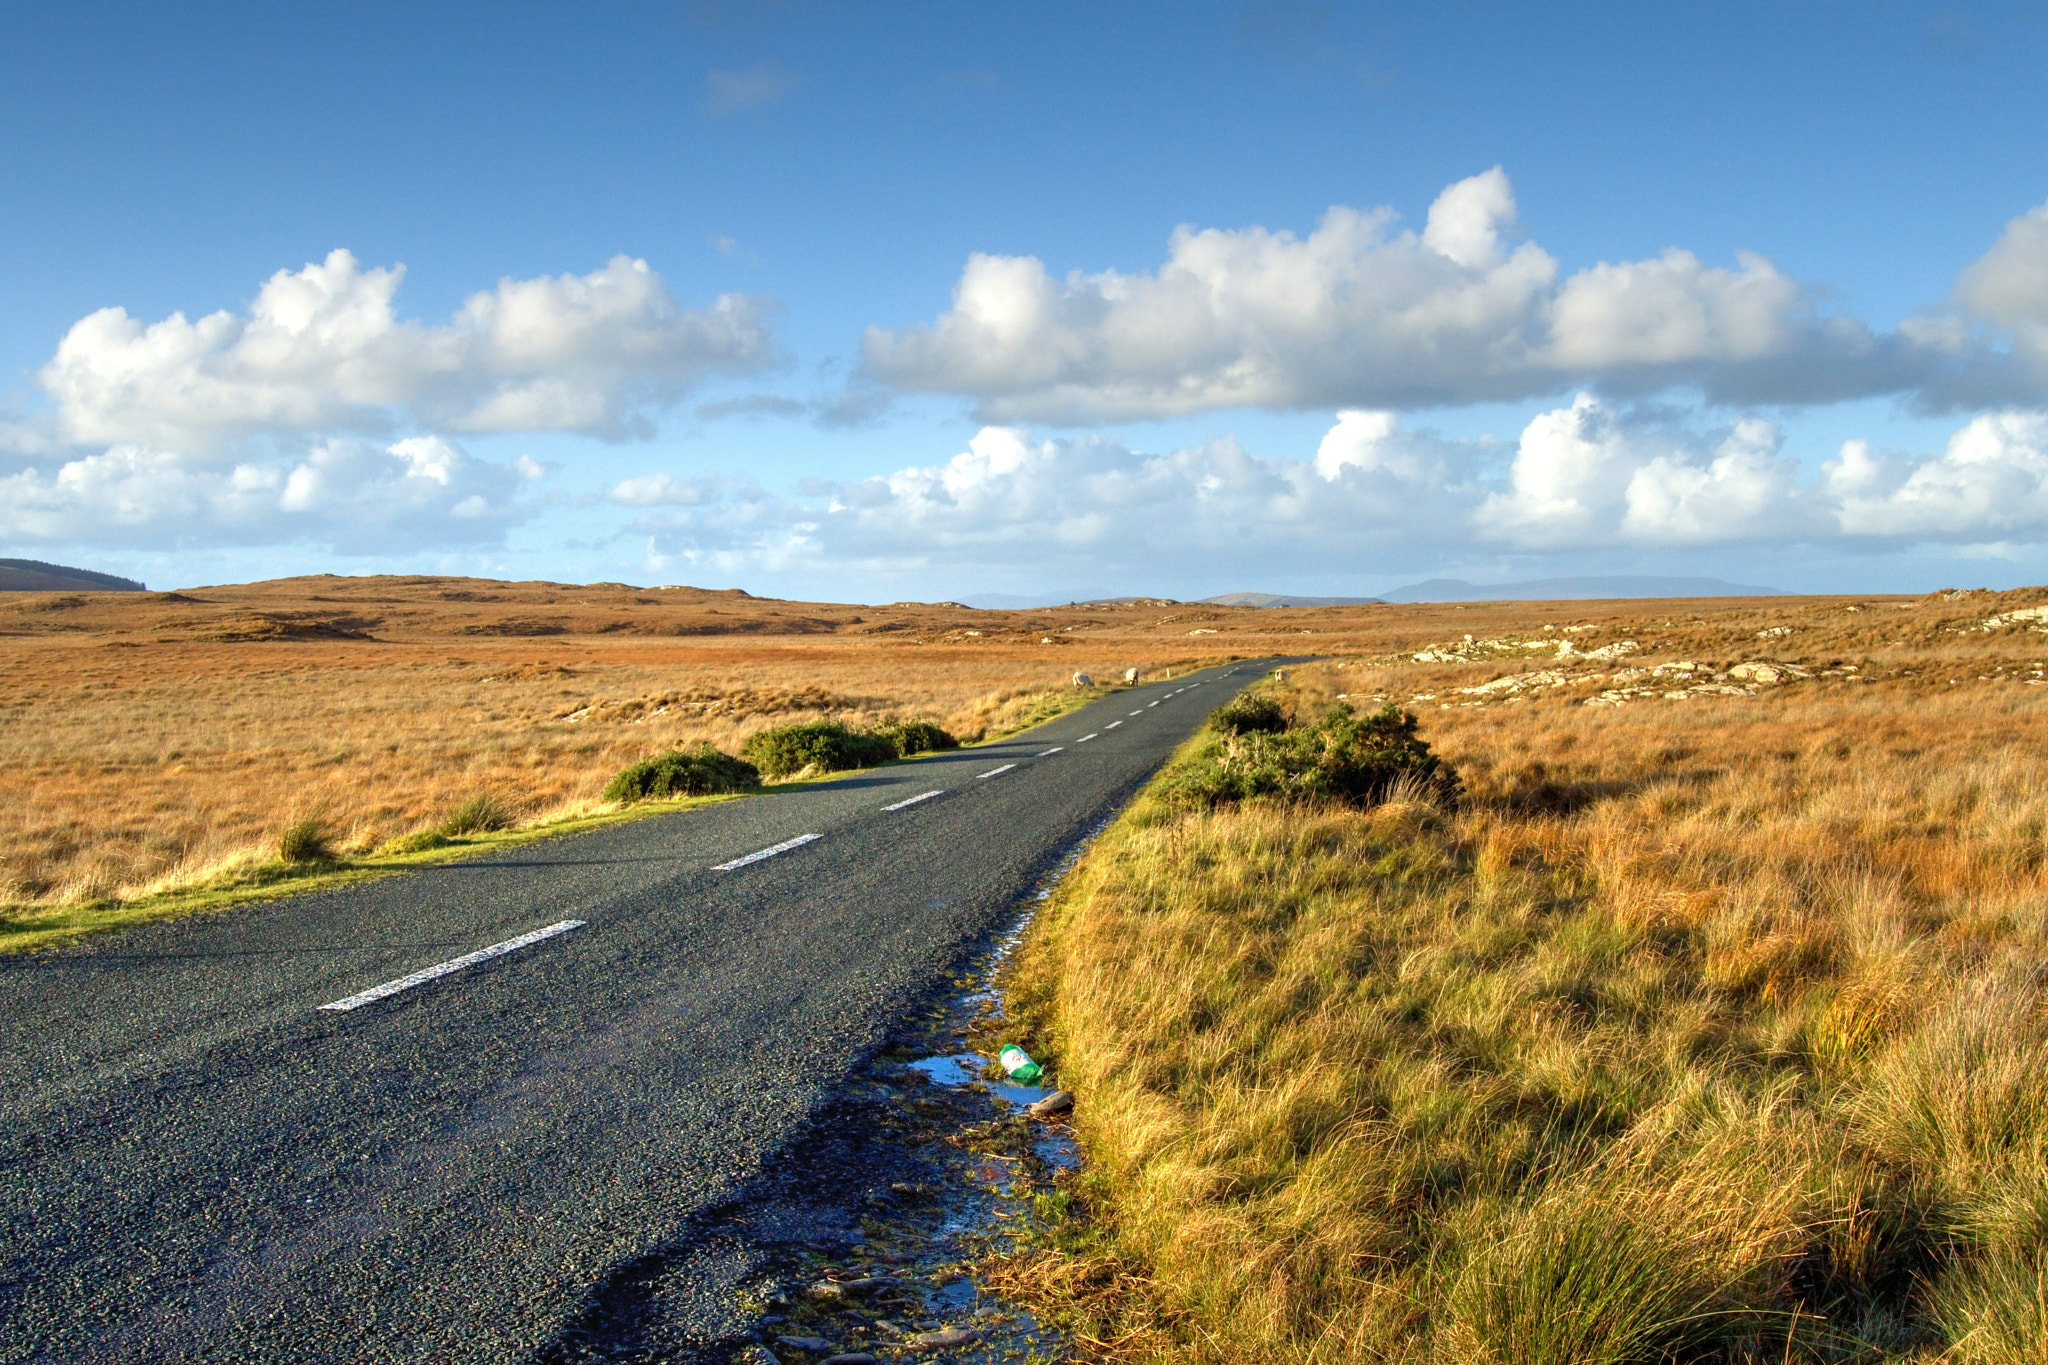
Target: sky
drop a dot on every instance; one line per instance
(918, 301)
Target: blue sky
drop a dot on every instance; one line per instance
(961, 349)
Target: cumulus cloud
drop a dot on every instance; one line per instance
(1362, 314)
(322, 349)
(350, 496)
(1586, 476)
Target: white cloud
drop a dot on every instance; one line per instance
(323, 350)
(1587, 476)
(1374, 496)
(1359, 314)
(346, 495)
(1990, 484)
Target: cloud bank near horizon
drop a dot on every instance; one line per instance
(1587, 476)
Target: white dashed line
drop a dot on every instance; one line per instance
(785, 846)
(453, 964)
(1139, 712)
(994, 772)
(921, 796)
(1085, 738)
(1113, 724)
(1151, 704)
(1053, 750)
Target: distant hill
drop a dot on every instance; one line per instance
(1573, 589)
(1267, 599)
(32, 575)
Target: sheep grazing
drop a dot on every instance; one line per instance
(1083, 680)
(1130, 675)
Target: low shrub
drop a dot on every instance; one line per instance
(307, 840)
(702, 771)
(830, 747)
(917, 737)
(1359, 760)
(1247, 714)
(480, 814)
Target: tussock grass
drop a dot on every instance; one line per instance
(1694, 1033)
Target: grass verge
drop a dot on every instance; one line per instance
(295, 865)
(249, 879)
(1743, 1063)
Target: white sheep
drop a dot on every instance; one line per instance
(1130, 675)
(1083, 680)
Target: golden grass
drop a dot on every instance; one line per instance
(1710, 1029)
(150, 742)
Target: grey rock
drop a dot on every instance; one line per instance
(946, 1338)
(758, 1355)
(852, 1358)
(1058, 1102)
(816, 1346)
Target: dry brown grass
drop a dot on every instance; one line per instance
(1712, 1028)
(150, 740)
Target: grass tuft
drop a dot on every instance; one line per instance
(482, 813)
(308, 839)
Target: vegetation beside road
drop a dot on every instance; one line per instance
(1697, 1031)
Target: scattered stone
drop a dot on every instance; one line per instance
(1058, 1102)
(945, 1339)
(827, 1292)
(2033, 615)
(852, 1358)
(868, 1284)
(816, 1346)
(758, 1355)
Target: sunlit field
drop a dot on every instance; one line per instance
(1710, 1025)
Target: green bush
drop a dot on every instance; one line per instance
(481, 814)
(1357, 760)
(1246, 714)
(917, 737)
(825, 745)
(702, 771)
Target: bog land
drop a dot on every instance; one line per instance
(1710, 1023)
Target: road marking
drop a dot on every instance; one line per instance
(1150, 704)
(453, 964)
(1053, 750)
(994, 772)
(785, 846)
(1139, 712)
(1085, 738)
(1113, 724)
(921, 796)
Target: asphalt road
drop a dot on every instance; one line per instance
(198, 1162)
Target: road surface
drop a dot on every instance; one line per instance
(422, 1118)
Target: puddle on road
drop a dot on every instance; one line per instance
(969, 1163)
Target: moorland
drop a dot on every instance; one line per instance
(1707, 1021)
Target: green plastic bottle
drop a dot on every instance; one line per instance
(1018, 1064)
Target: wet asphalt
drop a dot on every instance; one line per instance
(197, 1163)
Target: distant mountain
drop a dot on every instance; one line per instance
(1004, 601)
(1268, 599)
(1573, 589)
(32, 575)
